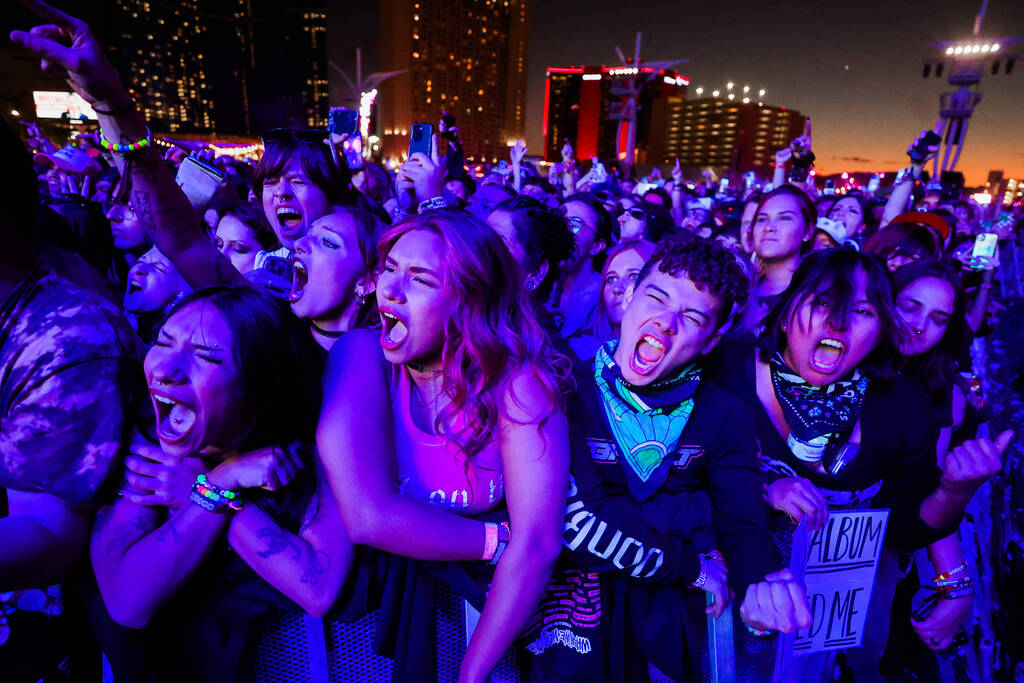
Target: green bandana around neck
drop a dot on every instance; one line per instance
(646, 421)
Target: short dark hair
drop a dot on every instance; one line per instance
(709, 265)
(544, 235)
(830, 274)
(317, 163)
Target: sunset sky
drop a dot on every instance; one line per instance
(854, 68)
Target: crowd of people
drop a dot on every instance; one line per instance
(594, 408)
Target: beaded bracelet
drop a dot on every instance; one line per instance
(123, 149)
(760, 634)
(956, 570)
(213, 498)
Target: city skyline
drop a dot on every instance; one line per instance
(856, 71)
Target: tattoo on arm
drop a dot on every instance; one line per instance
(127, 533)
(169, 531)
(144, 209)
(317, 564)
(278, 540)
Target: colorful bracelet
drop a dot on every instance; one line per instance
(956, 594)
(213, 498)
(944, 576)
(490, 541)
(504, 536)
(121, 149)
(433, 203)
(702, 578)
(760, 634)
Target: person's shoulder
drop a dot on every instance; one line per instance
(363, 343)
(65, 315)
(357, 351)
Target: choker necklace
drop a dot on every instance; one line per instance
(326, 333)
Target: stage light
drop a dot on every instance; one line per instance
(728, 86)
(700, 91)
(714, 93)
(995, 47)
(949, 50)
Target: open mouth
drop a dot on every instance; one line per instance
(174, 420)
(300, 278)
(289, 218)
(648, 353)
(393, 330)
(133, 287)
(826, 355)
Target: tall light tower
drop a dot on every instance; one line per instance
(967, 61)
(637, 76)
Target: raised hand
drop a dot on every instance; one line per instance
(567, 153)
(925, 145)
(426, 173)
(518, 151)
(677, 174)
(972, 463)
(798, 498)
(783, 155)
(67, 48)
(803, 144)
(779, 603)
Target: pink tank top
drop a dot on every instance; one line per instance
(435, 470)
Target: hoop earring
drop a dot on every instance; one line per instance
(530, 285)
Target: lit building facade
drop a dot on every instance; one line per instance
(582, 106)
(163, 50)
(465, 57)
(721, 133)
(226, 66)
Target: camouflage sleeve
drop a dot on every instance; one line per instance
(62, 434)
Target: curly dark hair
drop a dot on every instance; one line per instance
(544, 235)
(710, 266)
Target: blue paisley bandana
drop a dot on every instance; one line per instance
(646, 422)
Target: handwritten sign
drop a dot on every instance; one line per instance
(841, 562)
